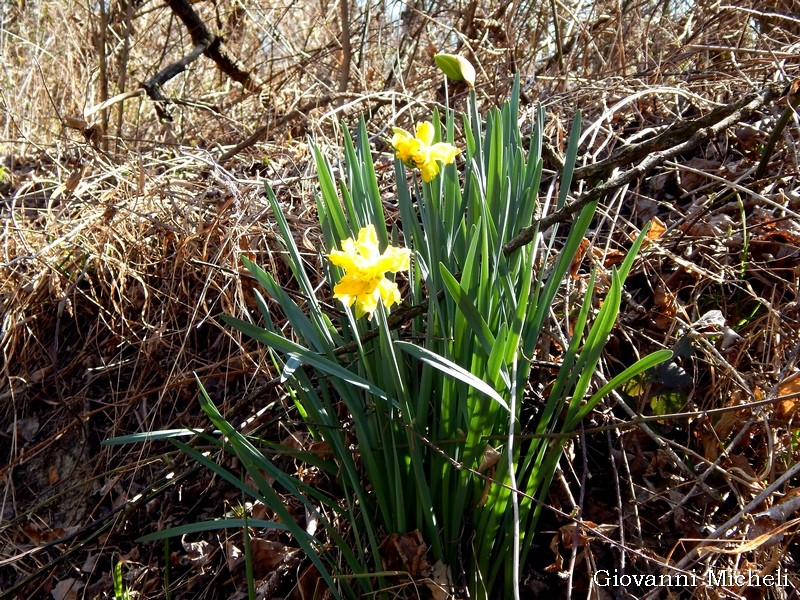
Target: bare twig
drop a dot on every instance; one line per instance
(347, 47)
(297, 113)
(793, 101)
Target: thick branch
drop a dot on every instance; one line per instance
(347, 48)
(669, 144)
(215, 48)
(676, 134)
(204, 43)
(197, 29)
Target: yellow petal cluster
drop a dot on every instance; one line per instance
(364, 283)
(419, 150)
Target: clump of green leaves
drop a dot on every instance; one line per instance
(432, 401)
(121, 591)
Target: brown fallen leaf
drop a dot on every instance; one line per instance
(666, 304)
(407, 552)
(197, 553)
(558, 561)
(790, 389)
(71, 184)
(67, 589)
(657, 229)
(584, 533)
(310, 585)
(39, 536)
(268, 556)
(440, 582)
(576, 262)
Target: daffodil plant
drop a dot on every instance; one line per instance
(420, 410)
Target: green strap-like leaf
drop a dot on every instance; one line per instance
(451, 369)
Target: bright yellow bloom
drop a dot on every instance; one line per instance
(419, 151)
(364, 282)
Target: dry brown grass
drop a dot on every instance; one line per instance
(122, 236)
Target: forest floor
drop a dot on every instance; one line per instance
(124, 216)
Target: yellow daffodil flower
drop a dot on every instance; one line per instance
(419, 150)
(364, 282)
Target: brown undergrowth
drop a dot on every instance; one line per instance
(122, 233)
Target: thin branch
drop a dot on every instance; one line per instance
(793, 101)
(347, 47)
(153, 85)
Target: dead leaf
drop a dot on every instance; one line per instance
(657, 229)
(52, 475)
(39, 536)
(576, 262)
(789, 388)
(613, 257)
(90, 563)
(233, 556)
(67, 589)
(268, 556)
(440, 582)
(691, 180)
(309, 585)
(718, 225)
(405, 552)
(197, 553)
(260, 511)
(26, 428)
(558, 563)
(490, 458)
(71, 184)
(584, 533)
(75, 122)
(667, 304)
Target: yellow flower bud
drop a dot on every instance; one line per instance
(456, 67)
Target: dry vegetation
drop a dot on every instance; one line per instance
(122, 226)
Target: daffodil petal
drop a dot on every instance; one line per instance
(368, 243)
(353, 285)
(399, 131)
(394, 260)
(389, 293)
(425, 133)
(364, 283)
(366, 305)
(444, 152)
(405, 144)
(346, 260)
